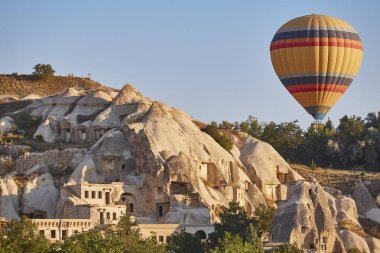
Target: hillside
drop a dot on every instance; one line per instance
(344, 180)
(23, 85)
(166, 167)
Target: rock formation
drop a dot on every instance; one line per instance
(156, 158)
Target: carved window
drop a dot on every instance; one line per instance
(131, 207)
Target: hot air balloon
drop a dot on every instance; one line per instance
(316, 57)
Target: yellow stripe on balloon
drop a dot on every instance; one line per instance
(290, 61)
(310, 99)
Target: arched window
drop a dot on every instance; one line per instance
(201, 234)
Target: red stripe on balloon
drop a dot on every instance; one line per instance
(314, 44)
(313, 89)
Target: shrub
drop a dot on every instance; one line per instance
(223, 139)
(354, 250)
(43, 71)
(313, 165)
(27, 123)
(263, 219)
(39, 138)
(288, 248)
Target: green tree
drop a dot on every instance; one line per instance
(43, 71)
(288, 248)
(125, 238)
(22, 236)
(255, 128)
(130, 236)
(230, 243)
(184, 242)
(315, 146)
(373, 120)
(222, 138)
(285, 138)
(234, 220)
(91, 241)
(263, 219)
(226, 125)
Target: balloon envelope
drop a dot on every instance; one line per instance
(316, 57)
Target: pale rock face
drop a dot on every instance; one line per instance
(305, 217)
(8, 198)
(352, 240)
(366, 204)
(346, 211)
(263, 162)
(91, 169)
(92, 103)
(31, 97)
(6, 124)
(373, 214)
(70, 92)
(85, 172)
(363, 198)
(40, 196)
(55, 106)
(373, 244)
(46, 130)
(127, 95)
(152, 147)
(188, 216)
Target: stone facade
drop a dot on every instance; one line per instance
(49, 158)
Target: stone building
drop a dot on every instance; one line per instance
(87, 204)
(99, 202)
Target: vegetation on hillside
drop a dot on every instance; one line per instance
(43, 71)
(42, 82)
(224, 139)
(22, 236)
(354, 143)
(344, 180)
(235, 233)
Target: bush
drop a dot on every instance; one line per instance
(43, 71)
(354, 250)
(223, 139)
(27, 123)
(313, 165)
(40, 138)
(263, 219)
(288, 248)
(184, 242)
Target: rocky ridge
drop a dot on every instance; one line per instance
(162, 155)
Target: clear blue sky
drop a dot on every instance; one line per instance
(209, 58)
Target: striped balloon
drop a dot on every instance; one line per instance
(316, 58)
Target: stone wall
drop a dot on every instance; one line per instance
(344, 180)
(49, 158)
(13, 150)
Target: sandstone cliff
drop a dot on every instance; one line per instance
(170, 170)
